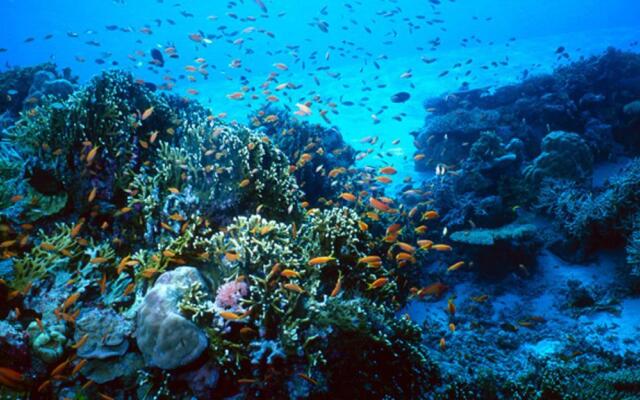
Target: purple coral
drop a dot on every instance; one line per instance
(230, 293)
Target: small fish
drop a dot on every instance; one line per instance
(388, 171)
(289, 273)
(378, 283)
(338, 286)
(348, 197)
(92, 154)
(441, 247)
(92, 194)
(149, 272)
(455, 266)
(61, 367)
(129, 289)
(452, 327)
(174, 190)
(443, 344)
(378, 205)
(430, 215)
(244, 183)
(230, 316)
(321, 260)
(369, 260)
(363, 226)
(147, 113)
(12, 378)
(480, 299)
(70, 300)
(231, 256)
(81, 341)
(308, 378)
(79, 366)
(451, 307)
(293, 287)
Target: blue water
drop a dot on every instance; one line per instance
(523, 35)
(358, 54)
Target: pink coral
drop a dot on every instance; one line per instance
(229, 294)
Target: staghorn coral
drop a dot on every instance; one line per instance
(596, 218)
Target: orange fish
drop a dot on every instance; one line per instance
(443, 344)
(293, 287)
(430, 214)
(129, 289)
(455, 266)
(81, 341)
(406, 247)
(289, 273)
(230, 316)
(149, 272)
(92, 194)
(451, 307)
(435, 289)
(441, 247)
(12, 378)
(388, 171)
(378, 283)
(369, 259)
(320, 260)
(338, 286)
(92, 154)
(79, 366)
(147, 113)
(235, 96)
(378, 205)
(347, 197)
(244, 183)
(61, 367)
(103, 283)
(70, 300)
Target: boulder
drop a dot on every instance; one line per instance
(166, 338)
(499, 251)
(565, 155)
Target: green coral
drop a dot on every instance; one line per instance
(40, 261)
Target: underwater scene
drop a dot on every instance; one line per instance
(283, 199)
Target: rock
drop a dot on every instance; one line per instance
(58, 87)
(166, 338)
(564, 155)
(203, 381)
(39, 79)
(13, 344)
(108, 333)
(102, 371)
(632, 109)
(499, 251)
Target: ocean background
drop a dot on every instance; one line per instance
(519, 35)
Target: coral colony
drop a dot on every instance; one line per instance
(152, 251)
